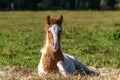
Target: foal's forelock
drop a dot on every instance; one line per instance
(55, 32)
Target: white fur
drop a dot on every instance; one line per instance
(61, 68)
(69, 65)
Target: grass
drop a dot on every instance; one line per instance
(91, 36)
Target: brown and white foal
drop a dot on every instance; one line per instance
(53, 60)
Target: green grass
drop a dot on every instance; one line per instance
(91, 36)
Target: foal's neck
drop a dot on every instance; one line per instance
(51, 58)
(47, 47)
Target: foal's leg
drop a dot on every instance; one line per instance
(60, 65)
(79, 66)
(84, 69)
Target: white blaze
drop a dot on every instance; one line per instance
(55, 29)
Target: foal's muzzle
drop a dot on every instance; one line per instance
(56, 46)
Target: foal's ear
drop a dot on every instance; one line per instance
(61, 19)
(48, 19)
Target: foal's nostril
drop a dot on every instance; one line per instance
(56, 45)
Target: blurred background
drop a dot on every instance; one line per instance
(6, 5)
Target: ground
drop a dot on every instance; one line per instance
(22, 73)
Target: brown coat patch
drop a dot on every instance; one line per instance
(50, 60)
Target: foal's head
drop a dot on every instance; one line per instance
(53, 30)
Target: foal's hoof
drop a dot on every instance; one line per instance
(93, 73)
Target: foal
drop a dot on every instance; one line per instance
(52, 58)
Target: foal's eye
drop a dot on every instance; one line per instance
(60, 31)
(49, 31)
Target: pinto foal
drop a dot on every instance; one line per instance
(53, 60)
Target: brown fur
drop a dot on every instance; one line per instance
(51, 57)
(50, 60)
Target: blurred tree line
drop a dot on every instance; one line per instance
(59, 4)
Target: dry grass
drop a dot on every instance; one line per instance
(22, 73)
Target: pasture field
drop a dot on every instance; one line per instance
(91, 36)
